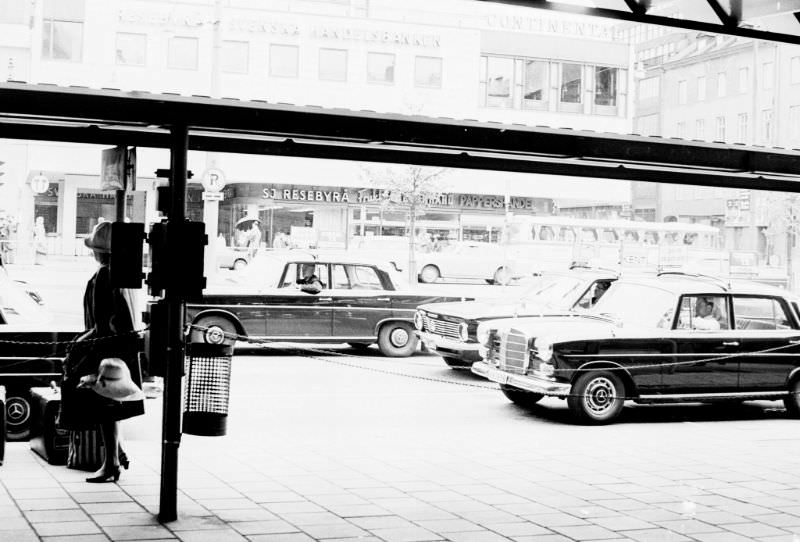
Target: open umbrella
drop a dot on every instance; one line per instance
(246, 223)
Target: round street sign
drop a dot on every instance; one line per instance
(40, 184)
(213, 179)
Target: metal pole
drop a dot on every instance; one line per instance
(119, 203)
(171, 425)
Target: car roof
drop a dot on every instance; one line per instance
(683, 284)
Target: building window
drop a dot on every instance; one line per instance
(794, 124)
(680, 130)
(794, 70)
(767, 75)
(12, 11)
(284, 60)
(62, 30)
(649, 88)
(722, 85)
(648, 125)
(131, 49)
(182, 53)
(235, 57)
(498, 74)
(720, 136)
(682, 92)
(605, 86)
(428, 72)
(766, 126)
(333, 64)
(744, 80)
(700, 128)
(380, 67)
(742, 129)
(571, 83)
(535, 91)
(701, 88)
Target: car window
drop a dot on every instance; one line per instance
(704, 313)
(637, 305)
(293, 274)
(365, 278)
(340, 280)
(17, 307)
(759, 313)
(593, 294)
(290, 276)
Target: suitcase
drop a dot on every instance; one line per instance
(2, 423)
(46, 439)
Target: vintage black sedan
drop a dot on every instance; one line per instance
(673, 338)
(31, 351)
(449, 329)
(361, 303)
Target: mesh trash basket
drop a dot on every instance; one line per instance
(207, 389)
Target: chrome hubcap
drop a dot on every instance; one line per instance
(399, 337)
(600, 396)
(215, 335)
(429, 274)
(17, 411)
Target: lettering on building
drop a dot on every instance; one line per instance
(135, 16)
(414, 39)
(264, 26)
(551, 26)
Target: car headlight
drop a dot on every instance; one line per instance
(483, 334)
(544, 350)
(463, 331)
(419, 320)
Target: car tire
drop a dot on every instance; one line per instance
(597, 397)
(792, 402)
(218, 330)
(397, 340)
(456, 363)
(18, 415)
(429, 274)
(520, 397)
(239, 264)
(502, 276)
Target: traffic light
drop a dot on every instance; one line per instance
(179, 271)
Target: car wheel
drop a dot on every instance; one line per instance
(502, 276)
(429, 273)
(397, 340)
(239, 264)
(597, 397)
(18, 415)
(213, 330)
(520, 397)
(792, 402)
(456, 363)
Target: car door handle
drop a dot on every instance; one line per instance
(386, 299)
(326, 299)
(730, 343)
(794, 341)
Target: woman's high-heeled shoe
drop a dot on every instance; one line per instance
(107, 477)
(124, 462)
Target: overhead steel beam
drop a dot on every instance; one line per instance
(725, 18)
(644, 18)
(636, 7)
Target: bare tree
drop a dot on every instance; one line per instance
(413, 189)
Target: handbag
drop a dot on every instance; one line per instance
(86, 450)
(77, 404)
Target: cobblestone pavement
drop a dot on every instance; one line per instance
(368, 448)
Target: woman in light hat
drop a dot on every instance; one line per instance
(110, 332)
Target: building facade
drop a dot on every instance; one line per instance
(450, 59)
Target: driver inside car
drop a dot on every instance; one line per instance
(309, 282)
(704, 319)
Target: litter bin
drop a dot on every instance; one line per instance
(207, 389)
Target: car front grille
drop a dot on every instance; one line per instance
(513, 351)
(442, 328)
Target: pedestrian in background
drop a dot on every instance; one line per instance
(110, 333)
(39, 241)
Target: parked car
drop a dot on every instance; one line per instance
(28, 353)
(450, 329)
(673, 338)
(235, 258)
(465, 260)
(361, 303)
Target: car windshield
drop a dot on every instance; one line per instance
(638, 305)
(17, 307)
(556, 292)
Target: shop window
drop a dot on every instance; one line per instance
(609, 236)
(284, 60)
(605, 86)
(131, 49)
(62, 30)
(380, 67)
(95, 206)
(12, 11)
(535, 91)
(332, 64)
(496, 81)
(182, 53)
(571, 83)
(546, 233)
(428, 72)
(567, 235)
(235, 57)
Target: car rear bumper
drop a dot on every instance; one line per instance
(450, 348)
(523, 382)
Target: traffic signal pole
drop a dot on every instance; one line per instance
(175, 348)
